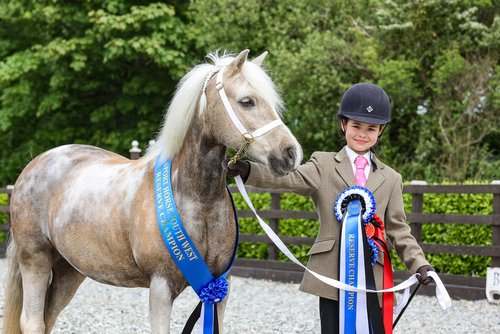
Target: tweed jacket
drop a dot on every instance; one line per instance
(322, 178)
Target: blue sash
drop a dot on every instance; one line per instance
(351, 260)
(353, 313)
(182, 249)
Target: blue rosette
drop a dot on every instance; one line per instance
(215, 291)
(373, 250)
(364, 195)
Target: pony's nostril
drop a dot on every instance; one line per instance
(291, 153)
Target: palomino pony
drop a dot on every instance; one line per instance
(80, 211)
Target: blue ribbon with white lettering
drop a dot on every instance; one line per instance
(350, 240)
(182, 249)
(353, 207)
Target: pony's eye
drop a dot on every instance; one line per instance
(246, 102)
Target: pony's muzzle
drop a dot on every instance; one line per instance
(286, 162)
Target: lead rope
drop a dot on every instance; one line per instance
(242, 151)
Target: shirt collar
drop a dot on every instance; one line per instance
(353, 155)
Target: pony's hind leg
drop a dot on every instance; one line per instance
(64, 284)
(35, 270)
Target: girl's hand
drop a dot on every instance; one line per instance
(240, 167)
(422, 277)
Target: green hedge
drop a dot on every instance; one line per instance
(451, 234)
(3, 217)
(457, 234)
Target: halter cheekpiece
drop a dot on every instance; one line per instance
(248, 137)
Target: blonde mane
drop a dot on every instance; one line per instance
(189, 94)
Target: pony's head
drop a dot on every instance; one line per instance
(250, 104)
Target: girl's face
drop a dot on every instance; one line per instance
(361, 136)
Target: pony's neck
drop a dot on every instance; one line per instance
(198, 166)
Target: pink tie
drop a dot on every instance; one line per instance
(360, 176)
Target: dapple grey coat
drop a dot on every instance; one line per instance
(323, 177)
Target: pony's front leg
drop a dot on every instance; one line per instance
(160, 305)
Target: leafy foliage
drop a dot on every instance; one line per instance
(3, 217)
(102, 72)
(455, 234)
(87, 72)
(318, 50)
(449, 117)
(438, 61)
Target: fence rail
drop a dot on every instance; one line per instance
(459, 286)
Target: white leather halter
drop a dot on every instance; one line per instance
(247, 136)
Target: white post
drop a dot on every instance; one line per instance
(135, 151)
(493, 285)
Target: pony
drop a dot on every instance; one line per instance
(80, 211)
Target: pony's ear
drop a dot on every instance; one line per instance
(258, 61)
(238, 62)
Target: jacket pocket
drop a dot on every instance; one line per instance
(322, 246)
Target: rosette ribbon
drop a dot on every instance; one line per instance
(359, 312)
(214, 292)
(182, 250)
(352, 305)
(388, 310)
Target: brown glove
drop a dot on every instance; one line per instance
(422, 277)
(240, 167)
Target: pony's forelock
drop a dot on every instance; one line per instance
(190, 93)
(262, 83)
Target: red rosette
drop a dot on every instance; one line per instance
(370, 230)
(377, 222)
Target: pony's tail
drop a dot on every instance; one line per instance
(13, 293)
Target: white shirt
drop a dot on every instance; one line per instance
(353, 155)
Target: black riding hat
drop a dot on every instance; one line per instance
(367, 103)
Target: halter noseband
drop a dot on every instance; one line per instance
(248, 137)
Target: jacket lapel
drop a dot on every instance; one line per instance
(376, 176)
(344, 168)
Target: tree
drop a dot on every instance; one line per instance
(450, 50)
(103, 72)
(86, 72)
(317, 50)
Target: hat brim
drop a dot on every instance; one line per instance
(369, 120)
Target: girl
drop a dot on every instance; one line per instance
(363, 114)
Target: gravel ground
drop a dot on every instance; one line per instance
(254, 306)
